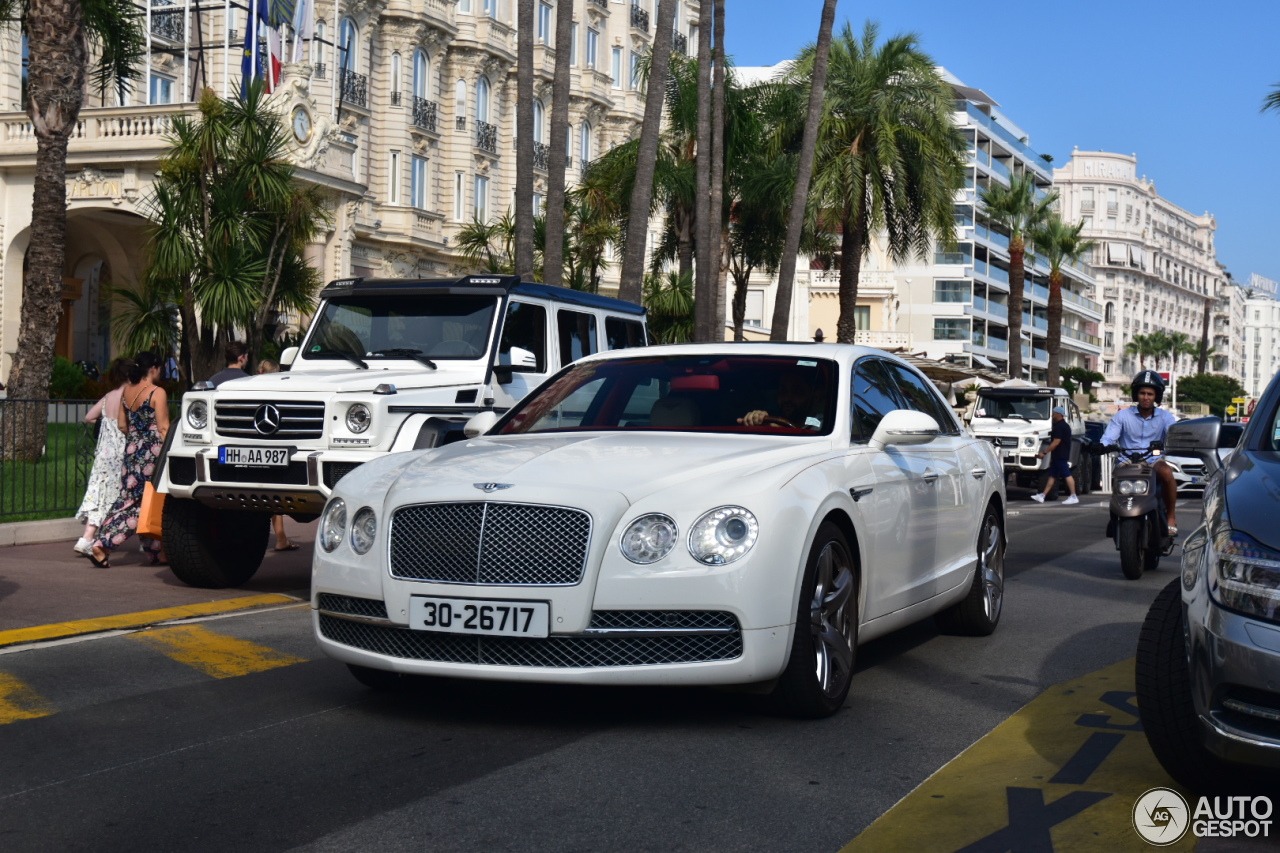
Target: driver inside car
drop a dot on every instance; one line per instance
(798, 404)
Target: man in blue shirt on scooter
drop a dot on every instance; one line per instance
(1135, 428)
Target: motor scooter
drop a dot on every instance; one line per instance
(1138, 522)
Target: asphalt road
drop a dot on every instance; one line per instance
(235, 734)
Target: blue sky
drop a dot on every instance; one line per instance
(1178, 83)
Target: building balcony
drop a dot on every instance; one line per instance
(168, 26)
(354, 88)
(486, 137)
(541, 156)
(424, 114)
(321, 70)
(639, 19)
(1034, 161)
(680, 43)
(603, 4)
(396, 99)
(141, 128)
(881, 339)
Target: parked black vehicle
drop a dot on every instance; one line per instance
(1138, 524)
(1208, 664)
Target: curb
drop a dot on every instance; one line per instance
(62, 630)
(40, 532)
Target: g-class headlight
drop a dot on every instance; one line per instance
(363, 529)
(1246, 577)
(1133, 487)
(649, 538)
(198, 414)
(1029, 441)
(723, 535)
(333, 524)
(359, 417)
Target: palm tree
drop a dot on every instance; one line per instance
(890, 158)
(1016, 209)
(1272, 100)
(704, 301)
(1177, 345)
(1203, 350)
(804, 171)
(1139, 346)
(1058, 243)
(553, 251)
(669, 298)
(631, 283)
(524, 138)
(716, 230)
(62, 36)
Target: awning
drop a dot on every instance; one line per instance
(984, 361)
(1117, 253)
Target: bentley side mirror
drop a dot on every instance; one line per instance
(904, 427)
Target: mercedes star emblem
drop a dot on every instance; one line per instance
(267, 419)
(492, 487)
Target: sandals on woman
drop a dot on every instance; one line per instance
(104, 563)
(292, 546)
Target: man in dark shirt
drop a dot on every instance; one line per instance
(237, 354)
(1059, 451)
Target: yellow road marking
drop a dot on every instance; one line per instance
(214, 654)
(1066, 769)
(20, 702)
(137, 620)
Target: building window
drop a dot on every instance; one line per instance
(951, 329)
(393, 178)
(537, 204)
(1109, 313)
(584, 143)
(491, 8)
(161, 89)
(615, 67)
(418, 184)
(633, 81)
(482, 198)
(952, 291)
(861, 317)
(593, 47)
(348, 45)
(482, 99)
(318, 45)
(421, 74)
(544, 23)
(573, 47)
(464, 6)
(460, 104)
(539, 113)
(395, 79)
(457, 197)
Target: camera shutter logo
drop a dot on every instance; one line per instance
(1161, 817)
(267, 419)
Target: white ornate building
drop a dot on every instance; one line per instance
(404, 111)
(1260, 335)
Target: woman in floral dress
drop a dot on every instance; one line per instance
(144, 420)
(104, 480)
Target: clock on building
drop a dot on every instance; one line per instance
(301, 124)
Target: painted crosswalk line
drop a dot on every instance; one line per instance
(214, 654)
(19, 702)
(1060, 775)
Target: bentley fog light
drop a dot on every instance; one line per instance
(723, 535)
(363, 528)
(649, 538)
(198, 414)
(1246, 577)
(333, 524)
(359, 417)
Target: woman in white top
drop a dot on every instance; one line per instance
(105, 478)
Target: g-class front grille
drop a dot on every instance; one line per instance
(269, 420)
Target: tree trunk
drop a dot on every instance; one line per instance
(741, 277)
(804, 171)
(704, 217)
(631, 284)
(1017, 250)
(684, 239)
(553, 250)
(56, 86)
(716, 229)
(1204, 339)
(524, 139)
(852, 238)
(1054, 342)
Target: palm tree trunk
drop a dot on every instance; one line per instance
(524, 139)
(853, 237)
(1204, 339)
(56, 85)
(716, 229)
(683, 220)
(1017, 250)
(703, 298)
(804, 171)
(1054, 342)
(741, 276)
(631, 284)
(553, 251)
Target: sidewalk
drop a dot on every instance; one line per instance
(46, 583)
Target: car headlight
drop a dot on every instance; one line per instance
(198, 414)
(363, 529)
(359, 417)
(1192, 555)
(1029, 441)
(723, 535)
(333, 524)
(1246, 577)
(649, 538)
(1133, 487)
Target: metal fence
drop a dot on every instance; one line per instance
(53, 485)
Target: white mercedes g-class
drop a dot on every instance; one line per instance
(1017, 417)
(387, 365)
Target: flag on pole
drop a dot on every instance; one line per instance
(251, 63)
(304, 26)
(272, 60)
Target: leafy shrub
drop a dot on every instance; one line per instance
(67, 382)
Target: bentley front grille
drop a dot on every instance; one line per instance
(269, 420)
(485, 542)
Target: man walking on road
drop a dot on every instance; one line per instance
(237, 355)
(1059, 451)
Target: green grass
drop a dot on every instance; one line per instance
(54, 486)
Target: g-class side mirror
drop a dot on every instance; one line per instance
(287, 357)
(514, 360)
(479, 424)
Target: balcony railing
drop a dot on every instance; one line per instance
(395, 99)
(639, 19)
(603, 4)
(424, 114)
(680, 43)
(486, 137)
(167, 25)
(460, 123)
(541, 156)
(355, 88)
(320, 69)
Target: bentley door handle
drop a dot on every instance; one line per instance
(930, 475)
(978, 473)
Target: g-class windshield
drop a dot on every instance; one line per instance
(367, 327)
(1019, 408)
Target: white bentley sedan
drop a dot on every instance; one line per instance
(698, 514)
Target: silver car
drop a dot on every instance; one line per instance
(1208, 665)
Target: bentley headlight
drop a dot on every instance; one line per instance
(198, 414)
(333, 524)
(649, 538)
(1246, 577)
(723, 535)
(359, 417)
(1133, 487)
(363, 528)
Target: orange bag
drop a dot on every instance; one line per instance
(152, 510)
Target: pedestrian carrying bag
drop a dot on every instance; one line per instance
(152, 510)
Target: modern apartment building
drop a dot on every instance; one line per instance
(1155, 261)
(404, 111)
(1261, 335)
